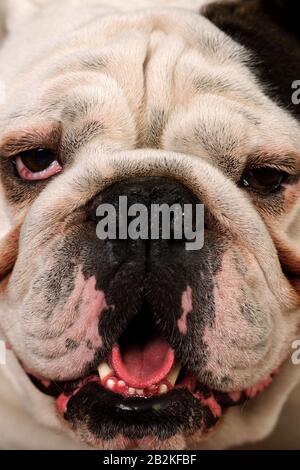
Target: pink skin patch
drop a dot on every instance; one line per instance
(92, 304)
(235, 396)
(62, 403)
(62, 400)
(76, 320)
(251, 392)
(211, 402)
(186, 307)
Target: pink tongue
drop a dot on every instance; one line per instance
(142, 366)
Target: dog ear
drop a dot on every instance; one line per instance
(9, 251)
(285, 13)
(269, 31)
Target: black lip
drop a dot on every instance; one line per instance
(106, 414)
(53, 390)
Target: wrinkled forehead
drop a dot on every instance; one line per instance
(126, 47)
(163, 79)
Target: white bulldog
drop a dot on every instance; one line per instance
(117, 344)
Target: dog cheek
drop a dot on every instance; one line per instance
(67, 339)
(238, 336)
(91, 303)
(285, 234)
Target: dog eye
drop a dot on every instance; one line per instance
(38, 164)
(264, 180)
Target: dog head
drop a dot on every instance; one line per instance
(142, 341)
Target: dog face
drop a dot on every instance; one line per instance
(160, 106)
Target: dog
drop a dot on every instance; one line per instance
(119, 344)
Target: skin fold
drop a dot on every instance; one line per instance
(178, 96)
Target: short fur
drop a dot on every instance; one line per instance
(142, 89)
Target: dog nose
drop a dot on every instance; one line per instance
(145, 202)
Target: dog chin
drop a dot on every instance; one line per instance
(105, 413)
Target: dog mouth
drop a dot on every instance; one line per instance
(142, 389)
(142, 363)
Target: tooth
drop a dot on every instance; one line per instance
(163, 388)
(173, 374)
(131, 391)
(140, 391)
(121, 383)
(110, 384)
(104, 370)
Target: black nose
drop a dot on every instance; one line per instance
(153, 194)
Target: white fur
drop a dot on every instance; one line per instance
(175, 40)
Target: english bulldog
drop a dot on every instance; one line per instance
(122, 343)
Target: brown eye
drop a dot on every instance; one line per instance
(264, 180)
(37, 164)
(38, 160)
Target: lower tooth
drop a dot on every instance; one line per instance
(131, 391)
(140, 391)
(110, 384)
(163, 388)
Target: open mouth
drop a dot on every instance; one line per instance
(142, 387)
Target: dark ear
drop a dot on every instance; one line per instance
(269, 30)
(285, 13)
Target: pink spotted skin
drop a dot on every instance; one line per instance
(78, 326)
(92, 303)
(211, 402)
(255, 390)
(186, 308)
